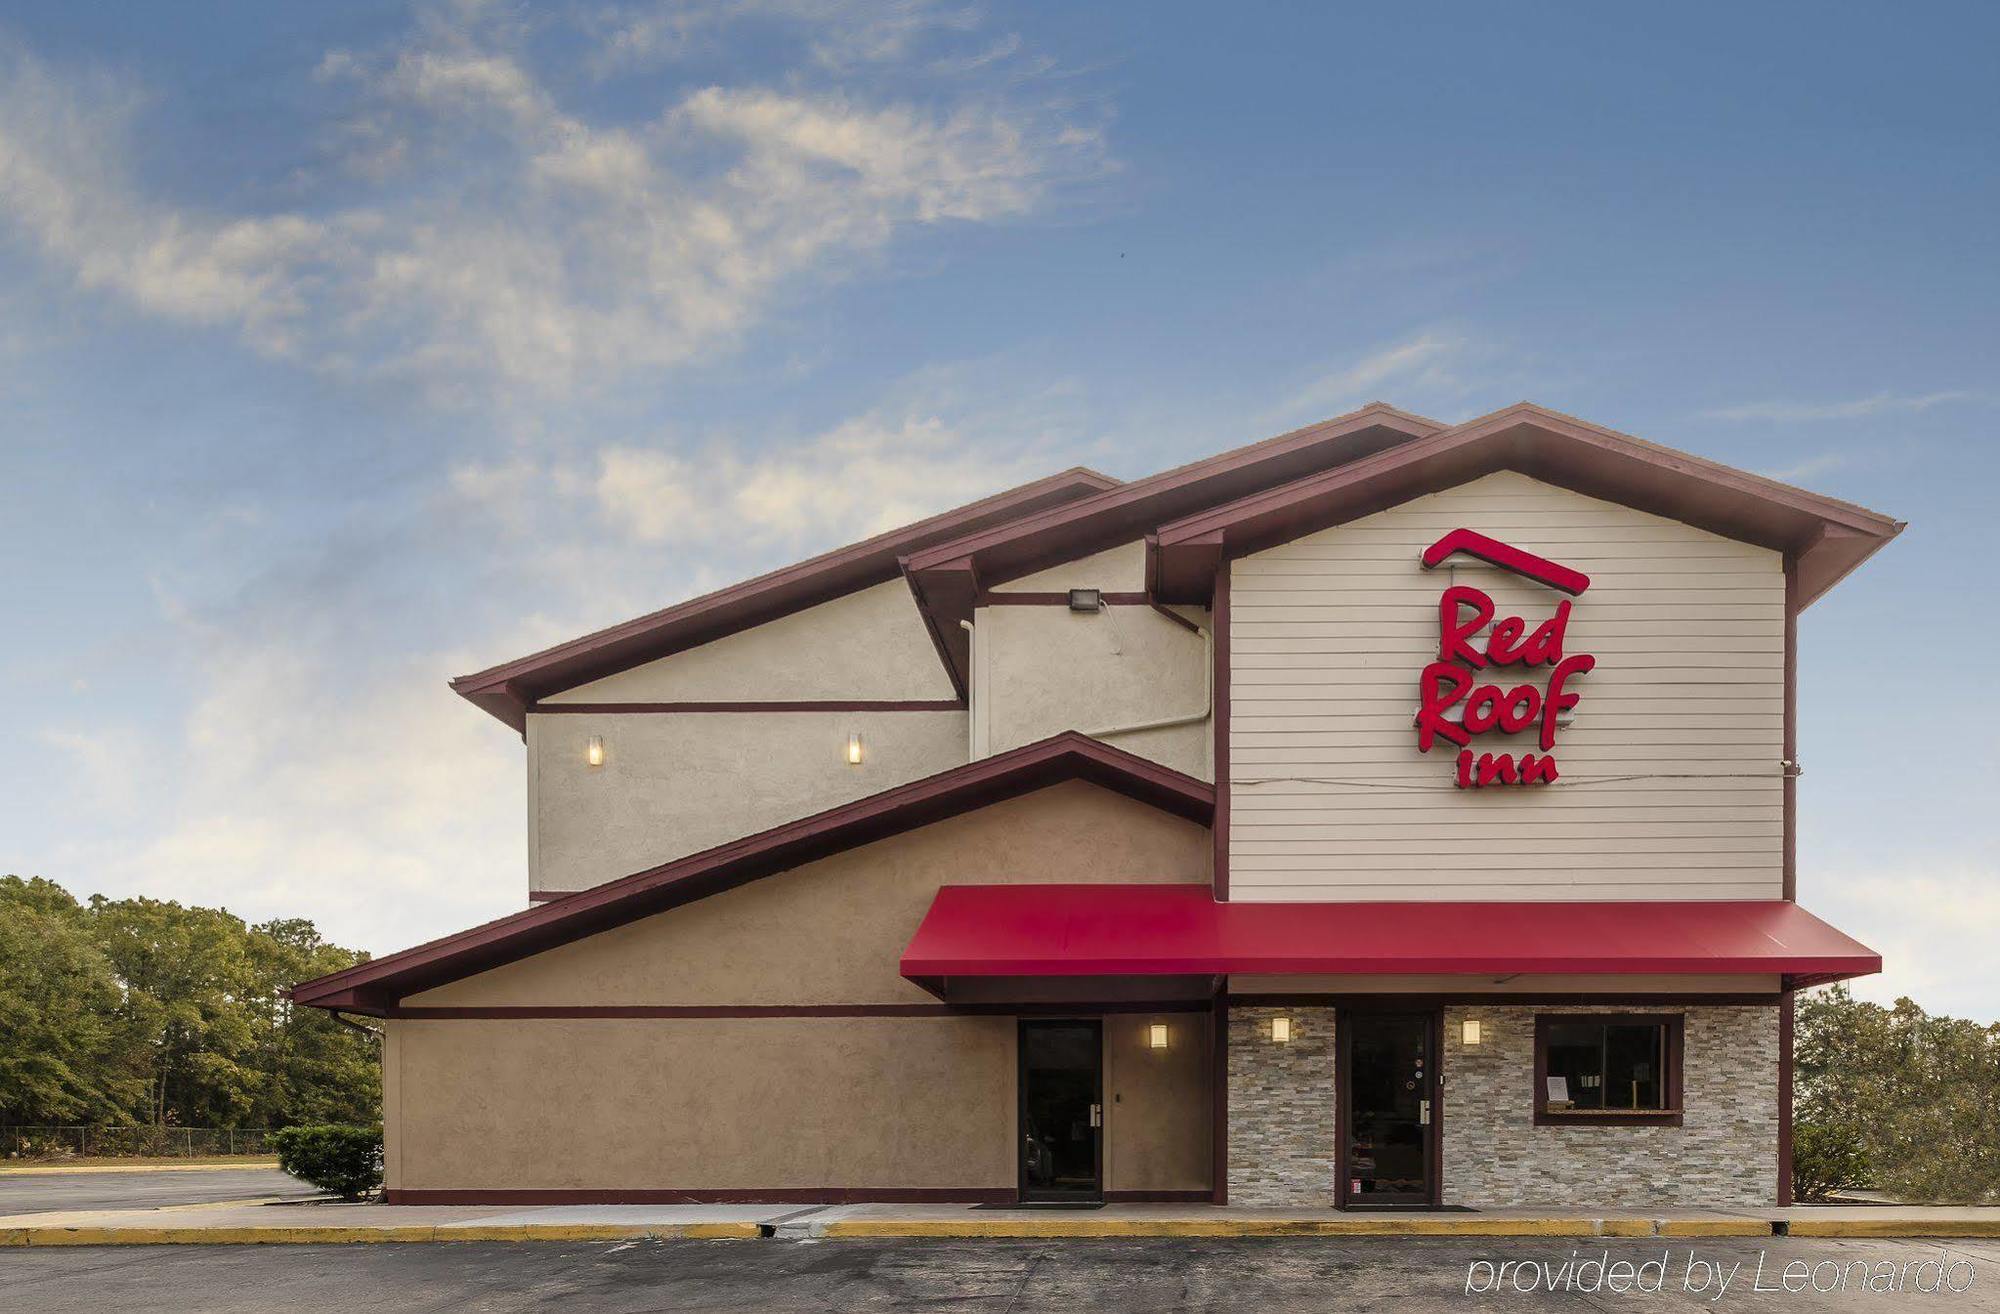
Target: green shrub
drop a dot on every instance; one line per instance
(1827, 1157)
(344, 1160)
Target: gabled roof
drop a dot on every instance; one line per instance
(948, 576)
(1826, 537)
(373, 986)
(506, 690)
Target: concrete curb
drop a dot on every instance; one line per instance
(1680, 1228)
(1895, 1227)
(1035, 1229)
(307, 1235)
(1377, 1225)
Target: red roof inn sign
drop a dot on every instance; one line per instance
(1453, 703)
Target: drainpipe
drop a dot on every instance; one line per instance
(1187, 718)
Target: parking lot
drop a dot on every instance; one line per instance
(1264, 1276)
(41, 1193)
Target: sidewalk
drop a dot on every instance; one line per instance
(255, 1222)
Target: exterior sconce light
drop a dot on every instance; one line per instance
(1471, 1032)
(854, 750)
(1156, 1036)
(593, 752)
(1281, 1031)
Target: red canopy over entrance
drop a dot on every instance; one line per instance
(1180, 930)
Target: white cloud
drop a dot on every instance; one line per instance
(1882, 403)
(1934, 921)
(1431, 365)
(871, 473)
(1808, 468)
(509, 238)
(839, 35)
(357, 793)
(324, 770)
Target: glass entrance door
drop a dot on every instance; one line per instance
(1062, 1110)
(1389, 1089)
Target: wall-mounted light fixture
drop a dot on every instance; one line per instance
(1471, 1032)
(1281, 1031)
(854, 750)
(1156, 1036)
(593, 752)
(1086, 600)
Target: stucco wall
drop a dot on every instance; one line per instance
(677, 783)
(869, 644)
(714, 1104)
(651, 1103)
(1158, 1118)
(765, 1104)
(1120, 569)
(1671, 785)
(1724, 1153)
(1040, 670)
(831, 932)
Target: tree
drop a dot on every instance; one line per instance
(140, 1010)
(321, 1070)
(1896, 1097)
(65, 1054)
(188, 989)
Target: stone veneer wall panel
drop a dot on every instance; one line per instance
(1281, 1108)
(1724, 1153)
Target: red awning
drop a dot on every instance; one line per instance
(1180, 930)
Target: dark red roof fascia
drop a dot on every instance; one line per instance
(947, 577)
(1180, 930)
(371, 986)
(1826, 536)
(508, 689)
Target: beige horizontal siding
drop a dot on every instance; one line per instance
(1670, 781)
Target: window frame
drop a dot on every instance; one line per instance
(1675, 1025)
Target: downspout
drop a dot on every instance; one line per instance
(1187, 718)
(352, 1025)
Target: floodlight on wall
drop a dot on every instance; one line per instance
(1281, 1031)
(1086, 600)
(1471, 1032)
(1156, 1036)
(854, 753)
(593, 752)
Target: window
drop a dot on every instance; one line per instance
(1608, 1068)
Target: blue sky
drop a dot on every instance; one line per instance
(347, 348)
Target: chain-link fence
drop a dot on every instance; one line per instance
(123, 1142)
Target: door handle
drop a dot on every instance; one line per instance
(1423, 1113)
(1097, 1115)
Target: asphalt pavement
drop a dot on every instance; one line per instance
(42, 1193)
(1275, 1276)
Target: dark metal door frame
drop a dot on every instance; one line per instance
(1022, 1190)
(1433, 1019)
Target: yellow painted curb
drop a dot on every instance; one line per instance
(1714, 1227)
(1872, 1227)
(597, 1232)
(1099, 1228)
(313, 1235)
(1627, 1227)
(57, 1170)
